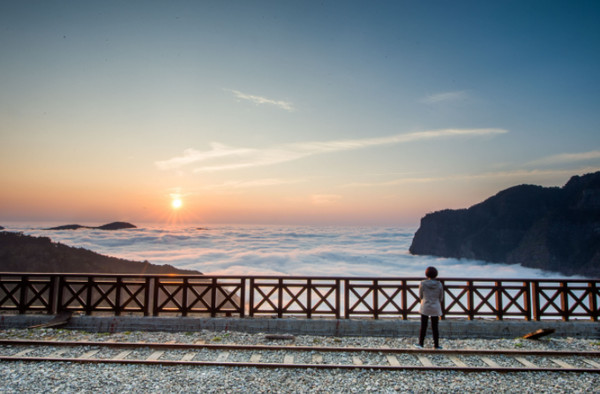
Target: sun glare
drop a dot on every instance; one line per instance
(176, 203)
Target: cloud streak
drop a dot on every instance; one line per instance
(251, 184)
(259, 100)
(564, 158)
(221, 157)
(518, 175)
(445, 97)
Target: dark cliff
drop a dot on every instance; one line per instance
(555, 229)
(24, 253)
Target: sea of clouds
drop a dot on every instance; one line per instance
(278, 250)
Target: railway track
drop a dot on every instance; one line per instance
(317, 357)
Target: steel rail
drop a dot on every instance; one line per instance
(334, 349)
(289, 365)
(299, 366)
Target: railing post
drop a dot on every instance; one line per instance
(88, 296)
(337, 298)
(148, 305)
(309, 298)
(184, 297)
(564, 301)
(242, 297)
(59, 293)
(535, 300)
(470, 311)
(375, 290)
(526, 300)
(404, 298)
(213, 297)
(23, 294)
(155, 301)
(280, 298)
(347, 298)
(251, 298)
(118, 289)
(52, 295)
(443, 317)
(499, 306)
(592, 299)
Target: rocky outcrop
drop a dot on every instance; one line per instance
(555, 229)
(24, 253)
(109, 226)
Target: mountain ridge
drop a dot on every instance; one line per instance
(108, 226)
(25, 253)
(555, 229)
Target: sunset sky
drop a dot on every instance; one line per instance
(290, 112)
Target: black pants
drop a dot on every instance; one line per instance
(434, 330)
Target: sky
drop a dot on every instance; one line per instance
(289, 112)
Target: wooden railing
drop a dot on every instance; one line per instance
(307, 297)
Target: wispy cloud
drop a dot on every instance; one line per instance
(251, 184)
(325, 199)
(564, 158)
(259, 100)
(517, 176)
(444, 97)
(221, 157)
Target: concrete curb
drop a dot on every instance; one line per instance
(449, 328)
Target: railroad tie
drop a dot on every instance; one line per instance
(188, 356)
(425, 361)
(317, 359)
(457, 361)
(288, 359)
(122, 355)
(490, 362)
(22, 353)
(526, 362)
(222, 357)
(592, 363)
(200, 342)
(393, 360)
(356, 361)
(57, 353)
(89, 354)
(155, 355)
(562, 364)
(255, 358)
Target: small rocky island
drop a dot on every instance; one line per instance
(554, 229)
(24, 253)
(109, 226)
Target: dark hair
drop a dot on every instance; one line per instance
(431, 272)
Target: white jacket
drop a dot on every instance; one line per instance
(431, 293)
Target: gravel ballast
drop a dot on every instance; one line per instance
(20, 377)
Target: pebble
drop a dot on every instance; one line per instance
(20, 377)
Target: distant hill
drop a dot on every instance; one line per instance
(24, 253)
(109, 226)
(555, 229)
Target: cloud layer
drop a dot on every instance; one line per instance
(280, 250)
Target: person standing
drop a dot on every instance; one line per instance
(431, 294)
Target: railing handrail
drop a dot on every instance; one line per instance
(301, 277)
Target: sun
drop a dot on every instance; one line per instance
(176, 203)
